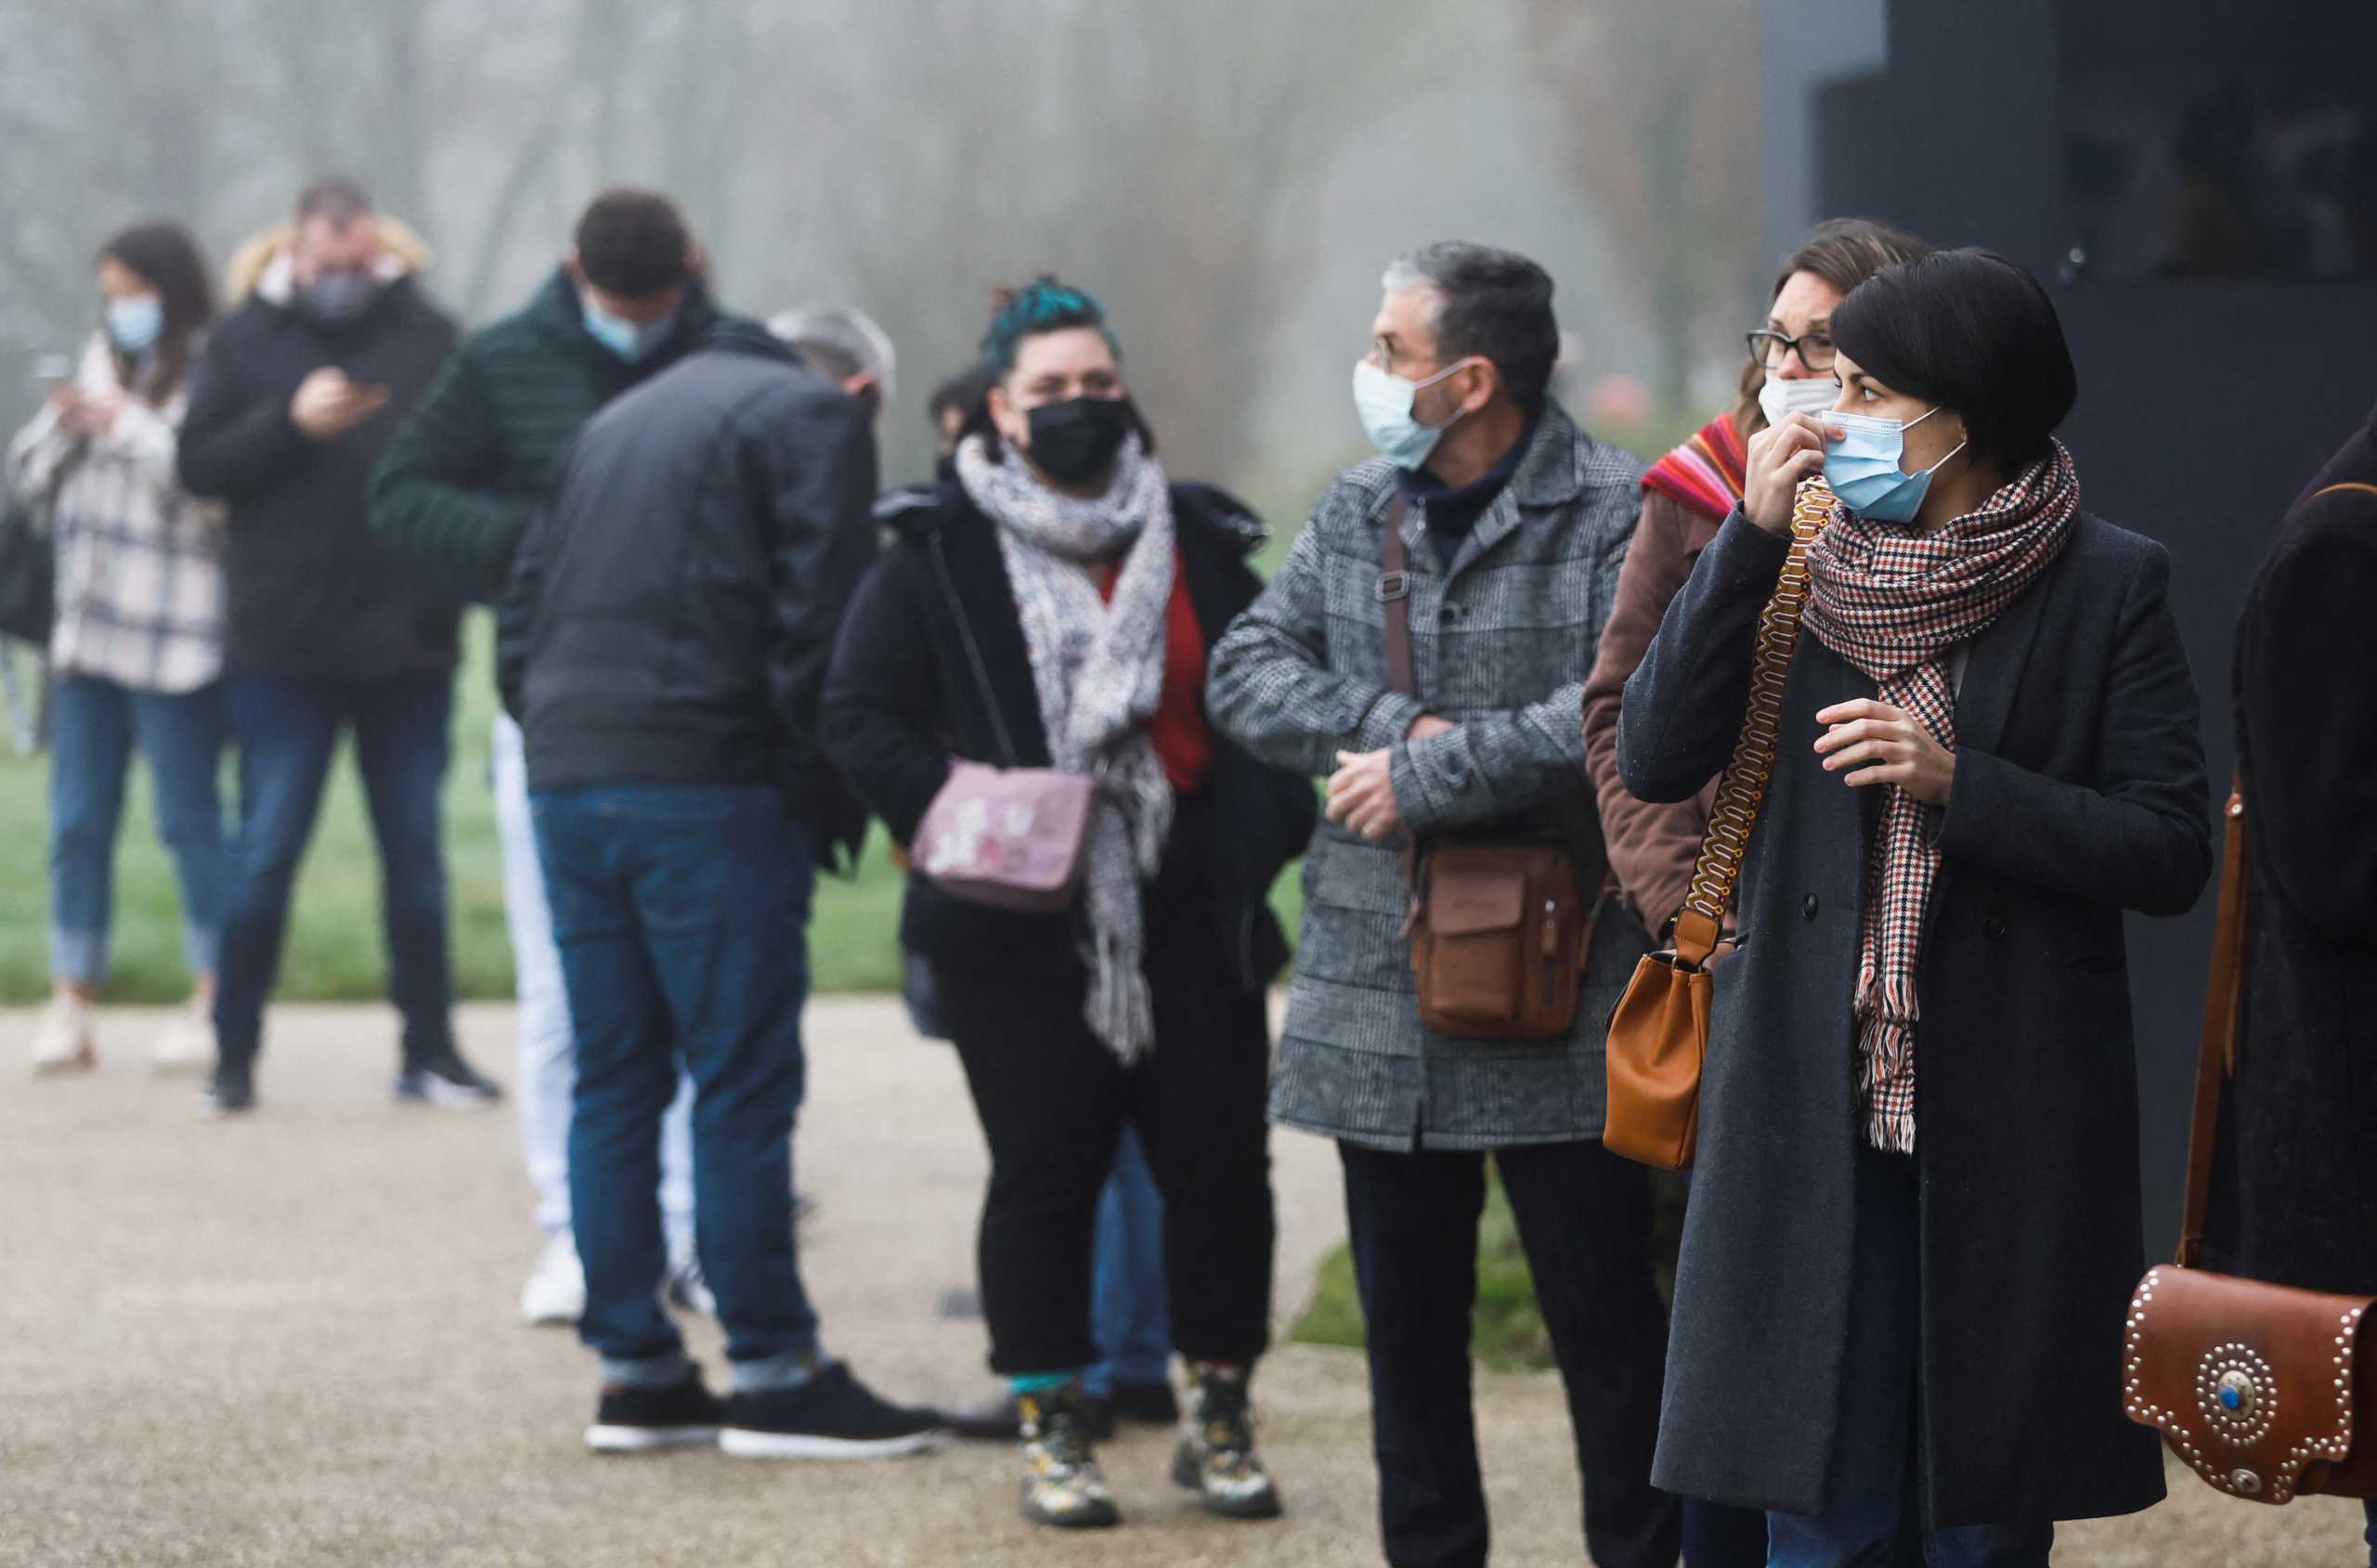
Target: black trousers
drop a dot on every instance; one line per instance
(1584, 1220)
(1053, 1100)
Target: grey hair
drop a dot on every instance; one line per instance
(1491, 303)
(837, 341)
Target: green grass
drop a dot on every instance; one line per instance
(335, 952)
(1506, 1330)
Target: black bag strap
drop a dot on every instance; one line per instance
(1394, 594)
(973, 649)
(2216, 1058)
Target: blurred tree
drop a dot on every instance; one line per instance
(1661, 98)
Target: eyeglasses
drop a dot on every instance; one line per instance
(1769, 349)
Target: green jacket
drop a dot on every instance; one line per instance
(454, 491)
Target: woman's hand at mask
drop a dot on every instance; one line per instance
(1781, 458)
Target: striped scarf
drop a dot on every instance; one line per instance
(1705, 475)
(1894, 602)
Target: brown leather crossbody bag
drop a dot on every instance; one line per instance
(1498, 934)
(1659, 1035)
(2266, 1392)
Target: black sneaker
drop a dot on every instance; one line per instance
(994, 1421)
(1147, 1404)
(636, 1420)
(443, 1078)
(232, 1092)
(1216, 1458)
(833, 1416)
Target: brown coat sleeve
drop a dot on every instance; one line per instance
(1651, 848)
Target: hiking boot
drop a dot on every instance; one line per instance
(637, 1420)
(833, 1416)
(1062, 1488)
(1216, 1458)
(62, 1040)
(443, 1078)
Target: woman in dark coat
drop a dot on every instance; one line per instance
(1988, 750)
(2294, 1172)
(1054, 607)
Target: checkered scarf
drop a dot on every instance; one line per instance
(1894, 601)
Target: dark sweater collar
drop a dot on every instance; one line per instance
(1456, 508)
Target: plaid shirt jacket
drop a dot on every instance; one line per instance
(139, 559)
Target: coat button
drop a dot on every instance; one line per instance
(1994, 928)
(1809, 909)
(1448, 614)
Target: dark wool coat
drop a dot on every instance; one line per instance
(903, 699)
(2294, 1197)
(2079, 793)
(455, 489)
(309, 595)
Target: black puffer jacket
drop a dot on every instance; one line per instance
(903, 699)
(672, 611)
(310, 596)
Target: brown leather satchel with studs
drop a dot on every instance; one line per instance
(2266, 1392)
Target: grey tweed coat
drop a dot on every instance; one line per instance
(1502, 643)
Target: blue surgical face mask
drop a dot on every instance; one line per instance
(1861, 467)
(1384, 404)
(135, 322)
(632, 341)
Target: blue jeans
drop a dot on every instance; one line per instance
(682, 916)
(545, 1069)
(1129, 1314)
(1876, 1479)
(94, 725)
(287, 733)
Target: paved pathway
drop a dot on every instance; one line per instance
(290, 1339)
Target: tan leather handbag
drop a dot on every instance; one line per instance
(1659, 1035)
(1498, 935)
(2266, 1392)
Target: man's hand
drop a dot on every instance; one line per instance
(1781, 456)
(1886, 746)
(1428, 724)
(1361, 797)
(328, 405)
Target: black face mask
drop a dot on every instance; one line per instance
(1074, 443)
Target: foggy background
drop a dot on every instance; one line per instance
(1229, 175)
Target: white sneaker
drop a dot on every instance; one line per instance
(687, 1289)
(555, 1294)
(62, 1040)
(188, 1044)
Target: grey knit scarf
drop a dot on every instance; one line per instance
(1098, 669)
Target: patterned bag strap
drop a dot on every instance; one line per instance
(1746, 776)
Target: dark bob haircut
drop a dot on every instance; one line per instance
(1968, 330)
(632, 244)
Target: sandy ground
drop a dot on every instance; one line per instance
(292, 1339)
